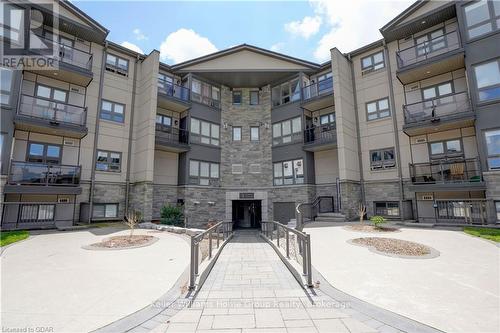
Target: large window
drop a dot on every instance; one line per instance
(44, 153)
(164, 121)
(37, 213)
(106, 210)
(387, 208)
(289, 172)
(205, 93)
(51, 93)
(287, 131)
(203, 173)
(448, 148)
(493, 149)
(327, 119)
(5, 85)
(12, 18)
(373, 62)
(430, 42)
(112, 111)
(382, 159)
(116, 64)
(482, 17)
(488, 80)
(204, 132)
(378, 109)
(286, 92)
(438, 90)
(236, 133)
(108, 161)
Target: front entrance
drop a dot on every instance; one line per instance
(247, 213)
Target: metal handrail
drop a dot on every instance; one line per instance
(71, 55)
(320, 134)
(270, 229)
(470, 211)
(52, 110)
(47, 175)
(444, 106)
(452, 170)
(314, 209)
(172, 134)
(317, 89)
(223, 228)
(173, 90)
(196, 97)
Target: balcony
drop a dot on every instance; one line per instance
(320, 138)
(171, 139)
(439, 114)
(214, 103)
(172, 96)
(318, 95)
(51, 117)
(457, 211)
(28, 177)
(436, 56)
(447, 175)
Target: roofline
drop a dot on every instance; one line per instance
(364, 48)
(237, 48)
(405, 13)
(73, 8)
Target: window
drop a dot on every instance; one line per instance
(378, 109)
(287, 131)
(165, 81)
(164, 121)
(108, 161)
(44, 153)
(482, 17)
(203, 173)
(112, 111)
(493, 148)
(437, 91)
(373, 62)
(254, 97)
(116, 64)
(254, 168)
(289, 172)
(325, 82)
(37, 213)
(327, 119)
(237, 97)
(236, 133)
(205, 93)
(488, 80)
(382, 159)
(204, 132)
(286, 92)
(101, 211)
(430, 42)
(5, 85)
(387, 208)
(254, 133)
(13, 26)
(50, 93)
(449, 148)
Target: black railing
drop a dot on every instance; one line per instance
(173, 90)
(53, 111)
(171, 135)
(428, 49)
(450, 106)
(320, 134)
(469, 211)
(310, 210)
(68, 54)
(458, 170)
(316, 89)
(28, 173)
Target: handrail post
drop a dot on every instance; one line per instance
(278, 235)
(272, 231)
(287, 235)
(304, 256)
(196, 254)
(210, 245)
(192, 271)
(309, 264)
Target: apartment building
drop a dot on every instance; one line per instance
(409, 126)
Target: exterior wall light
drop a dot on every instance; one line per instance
(211, 203)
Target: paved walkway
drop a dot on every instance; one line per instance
(251, 290)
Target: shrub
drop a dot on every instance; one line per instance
(172, 215)
(378, 221)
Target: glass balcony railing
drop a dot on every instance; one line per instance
(171, 135)
(28, 173)
(316, 89)
(173, 90)
(68, 54)
(53, 111)
(439, 108)
(456, 170)
(215, 103)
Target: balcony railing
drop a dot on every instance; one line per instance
(28, 173)
(459, 170)
(320, 135)
(428, 49)
(215, 103)
(469, 211)
(53, 111)
(171, 135)
(68, 54)
(443, 107)
(173, 90)
(316, 89)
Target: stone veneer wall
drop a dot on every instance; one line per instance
(492, 180)
(103, 193)
(163, 194)
(141, 199)
(380, 191)
(351, 197)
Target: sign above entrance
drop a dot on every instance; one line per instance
(246, 195)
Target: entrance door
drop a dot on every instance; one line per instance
(247, 213)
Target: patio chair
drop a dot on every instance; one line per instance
(457, 171)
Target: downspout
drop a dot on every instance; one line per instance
(358, 135)
(96, 132)
(130, 133)
(395, 128)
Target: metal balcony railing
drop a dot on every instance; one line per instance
(173, 90)
(316, 89)
(28, 173)
(68, 54)
(320, 134)
(449, 106)
(53, 111)
(428, 49)
(457, 170)
(215, 103)
(171, 135)
(469, 211)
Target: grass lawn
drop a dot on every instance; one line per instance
(487, 233)
(9, 237)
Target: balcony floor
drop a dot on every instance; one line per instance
(27, 123)
(41, 189)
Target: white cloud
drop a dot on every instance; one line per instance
(277, 47)
(348, 32)
(132, 47)
(139, 35)
(185, 44)
(307, 27)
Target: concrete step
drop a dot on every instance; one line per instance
(331, 215)
(329, 219)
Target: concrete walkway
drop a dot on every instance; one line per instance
(251, 290)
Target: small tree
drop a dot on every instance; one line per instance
(132, 220)
(378, 221)
(361, 212)
(172, 215)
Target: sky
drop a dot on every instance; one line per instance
(183, 30)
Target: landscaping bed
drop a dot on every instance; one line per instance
(122, 242)
(395, 247)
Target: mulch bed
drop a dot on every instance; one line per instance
(370, 228)
(120, 242)
(394, 246)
